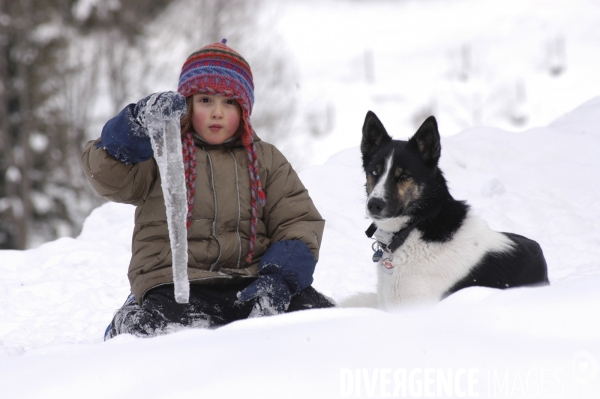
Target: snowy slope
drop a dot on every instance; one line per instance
(56, 300)
(469, 62)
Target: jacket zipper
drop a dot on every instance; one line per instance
(214, 225)
(237, 229)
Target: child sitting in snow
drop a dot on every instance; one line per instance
(253, 237)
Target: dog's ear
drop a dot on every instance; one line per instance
(427, 141)
(374, 135)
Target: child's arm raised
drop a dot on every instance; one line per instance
(119, 165)
(115, 180)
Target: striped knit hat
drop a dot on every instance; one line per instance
(217, 69)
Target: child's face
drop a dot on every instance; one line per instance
(215, 118)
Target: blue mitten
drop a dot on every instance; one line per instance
(285, 269)
(125, 136)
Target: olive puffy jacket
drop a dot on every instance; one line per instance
(219, 235)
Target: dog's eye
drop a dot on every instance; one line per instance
(374, 173)
(403, 176)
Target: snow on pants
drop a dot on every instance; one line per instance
(209, 306)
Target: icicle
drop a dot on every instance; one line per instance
(166, 143)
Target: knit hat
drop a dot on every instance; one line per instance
(218, 69)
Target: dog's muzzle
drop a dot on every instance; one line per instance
(375, 206)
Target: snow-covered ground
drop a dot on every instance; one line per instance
(56, 300)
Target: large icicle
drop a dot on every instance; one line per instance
(166, 142)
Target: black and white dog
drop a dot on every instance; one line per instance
(429, 244)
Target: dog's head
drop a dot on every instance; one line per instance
(402, 176)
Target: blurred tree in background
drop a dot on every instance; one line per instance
(67, 66)
(46, 93)
(32, 164)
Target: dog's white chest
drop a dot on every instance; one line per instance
(421, 272)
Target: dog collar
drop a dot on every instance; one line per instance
(389, 242)
(397, 239)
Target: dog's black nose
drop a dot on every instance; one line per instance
(375, 205)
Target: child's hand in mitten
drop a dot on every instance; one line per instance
(125, 136)
(165, 105)
(285, 270)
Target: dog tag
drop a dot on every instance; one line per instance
(377, 255)
(386, 264)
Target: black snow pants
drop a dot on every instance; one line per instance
(209, 306)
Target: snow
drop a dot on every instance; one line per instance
(469, 63)
(57, 299)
